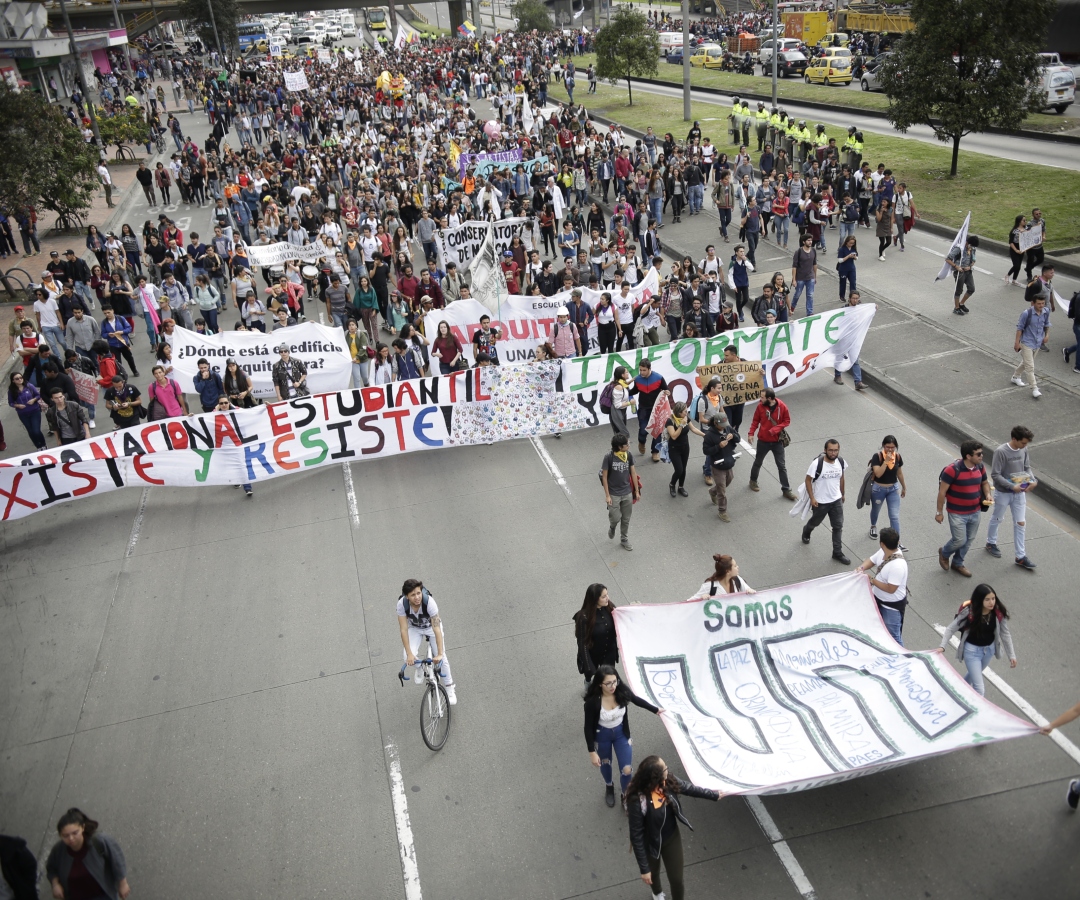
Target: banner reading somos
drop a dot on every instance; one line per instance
(472, 407)
(798, 687)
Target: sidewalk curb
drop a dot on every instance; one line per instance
(872, 113)
(1051, 490)
(945, 231)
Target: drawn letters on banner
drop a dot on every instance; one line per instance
(740, 382)
(1031, 237)
(266, 255)
(461, 243)
(470, 407)
(798, 687)
(321, 348)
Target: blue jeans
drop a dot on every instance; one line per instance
(608, 739)
(894, 622)
(963, 528)
(782, 223)
(1073, 349)
(657, 208)
(725, 219)
(1018, 504)
(31, 421)
(847, 229)
(976, 659)
(889, 495)
(696, 195)
(800, 286)
(54, 334)
(151, 332)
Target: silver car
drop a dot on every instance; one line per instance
(869, 80)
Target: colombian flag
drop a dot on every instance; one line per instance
(466, 29)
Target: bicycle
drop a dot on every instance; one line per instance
(159, 142)
(434, 707)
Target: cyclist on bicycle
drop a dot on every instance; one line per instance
(418, 617)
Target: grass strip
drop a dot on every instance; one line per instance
(994, 190)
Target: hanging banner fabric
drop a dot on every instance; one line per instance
(502, 158)
(260, 255)
(461, 243)
(476, 406)
(798, 687)
(321, 348)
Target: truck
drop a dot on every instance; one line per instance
(808, 27)
(1057, 83)
(869, 18)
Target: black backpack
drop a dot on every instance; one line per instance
(1074, 306)
(821, 465)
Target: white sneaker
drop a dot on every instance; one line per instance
(93, 424)
(1036, 393)
(451, 694)
(881, 258)
(1019, 382)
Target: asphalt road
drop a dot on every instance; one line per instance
(1047, 153)
(214, 679)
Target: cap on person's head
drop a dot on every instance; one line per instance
(281, 348)
(426, 300)
(53, 253)
(562, 311)
(18, 309)
(69, 253)
(729, 304)
(509, 253)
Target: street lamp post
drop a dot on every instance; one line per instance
(81, 78)
(686, 60)
(213, 24)
(775, 51)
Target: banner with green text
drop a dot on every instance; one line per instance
(476, 406)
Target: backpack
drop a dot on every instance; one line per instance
(1033, 290)
(607, 396)
(798, 215)
(851, 213)
(1074, 306)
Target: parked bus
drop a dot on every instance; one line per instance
(252, 33)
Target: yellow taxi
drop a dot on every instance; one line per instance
(834, 67)
(834, 39)
(708, 56)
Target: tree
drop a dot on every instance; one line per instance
(968, 65)
(128, 126)
(226, 14)
(47, 165)
(627, 47)
(531, 15)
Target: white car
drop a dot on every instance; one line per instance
(870, 80)
(333, 32)
(1058, 83)
(765, 54)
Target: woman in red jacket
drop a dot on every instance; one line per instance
(771, 418)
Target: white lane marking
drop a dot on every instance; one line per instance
(136, 526)
(549, 464)
(781, 848)
(350, 494)
(1020, 703)
(409, 870)
(942, 255)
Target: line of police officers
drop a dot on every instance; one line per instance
(777, 128)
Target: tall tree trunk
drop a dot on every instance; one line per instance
(629, 88)
(955, 154)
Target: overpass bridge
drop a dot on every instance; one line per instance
(139, 16)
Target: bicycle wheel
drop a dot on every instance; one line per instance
(435, 716)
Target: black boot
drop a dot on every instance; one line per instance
(609, 795)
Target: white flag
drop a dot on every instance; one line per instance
(401, 38)
(527, 117)
(958, 241)
(488, 281)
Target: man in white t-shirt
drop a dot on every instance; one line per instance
(825, 490)
(418, 618)
(889, 581)
(47, 313)
(624, 310)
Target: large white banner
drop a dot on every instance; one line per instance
(275, 254)
(477, 406)
(321, 348)
(460, 244)
(798, 687)
(1032, 236)
(295, 81)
